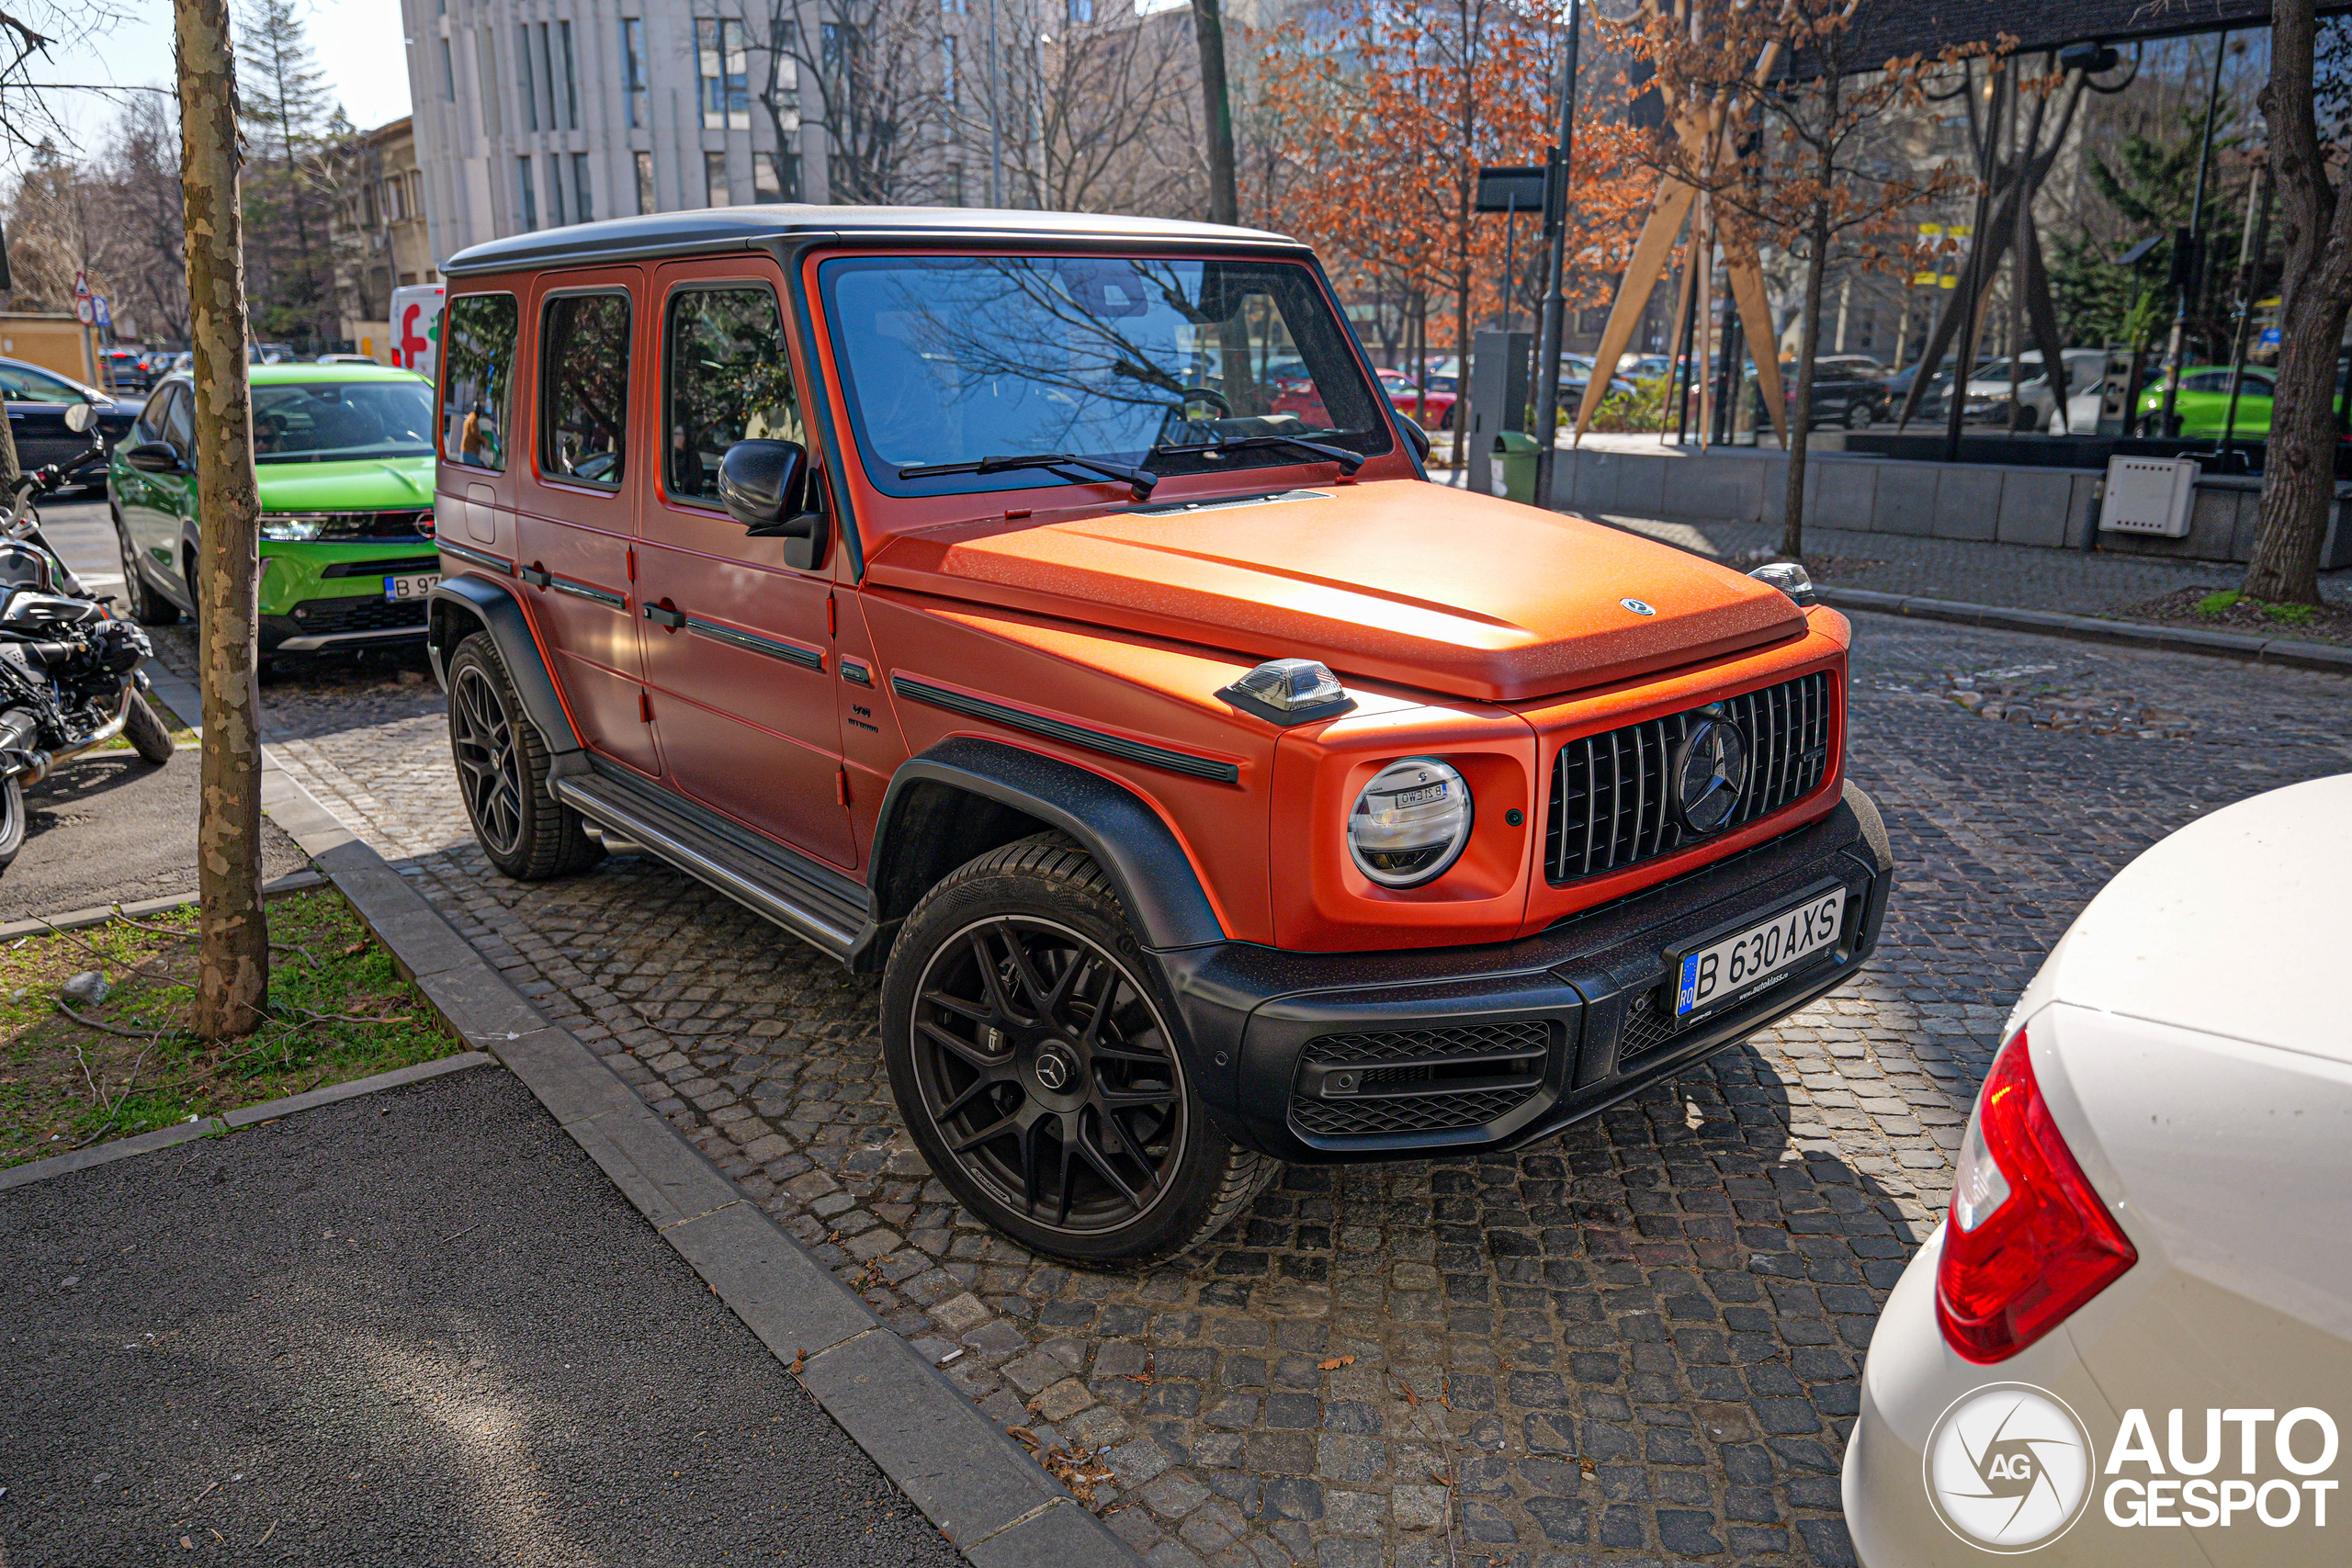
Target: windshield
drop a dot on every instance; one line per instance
(953, 359)
(324, 422)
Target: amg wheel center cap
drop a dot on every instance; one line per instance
(1710, 774)
(1056, 1071)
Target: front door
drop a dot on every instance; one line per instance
(739, 646)
(152, 505)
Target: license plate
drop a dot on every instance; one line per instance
(410, 585)
(1736, 963)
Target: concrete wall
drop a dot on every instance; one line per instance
(2052, 508)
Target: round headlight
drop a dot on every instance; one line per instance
(1410, 822)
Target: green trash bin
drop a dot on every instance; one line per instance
(1513, 473)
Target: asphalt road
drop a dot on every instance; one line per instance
(412, 1329)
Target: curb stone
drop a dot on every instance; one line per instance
(982, 1490)
(2176, 639)
(231, 1121)
(82, 919)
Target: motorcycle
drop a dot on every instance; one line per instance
(70, 675)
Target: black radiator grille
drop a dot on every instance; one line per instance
(1611, 805)
(356, 612)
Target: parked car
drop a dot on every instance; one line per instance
(344, 456)
(38, 401)
(2037, 404)
(1206, 788)
(2202, 404)
(2143, 1273)
(1408, 394)
(1844, 392)
(344, 359)
(125, 369)
(269, 353)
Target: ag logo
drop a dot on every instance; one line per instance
(2008, 1467)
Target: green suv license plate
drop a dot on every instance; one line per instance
(410, 585)
(1736, 963)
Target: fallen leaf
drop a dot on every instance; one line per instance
(1336, 1362)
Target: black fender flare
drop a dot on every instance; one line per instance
(1133, 843)
(457, 607)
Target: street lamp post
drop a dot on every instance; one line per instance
(1555, 299)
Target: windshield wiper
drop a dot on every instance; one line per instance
(1349, 461)
(1139, 480)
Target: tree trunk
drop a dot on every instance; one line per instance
(1224, 197)
(232, 977)
(1801, 414)
(2298, 470)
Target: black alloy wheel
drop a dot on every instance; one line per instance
(1857, 416)
(1034, 1058)
(490, 771)
(503, 770)
(1046, 1067)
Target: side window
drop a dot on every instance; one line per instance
(583, 388)
(148, 426)
(725, 379)
(179, 421)
(477, 380)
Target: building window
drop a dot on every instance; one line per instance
(570, 78)
(486, 74)
(955, 184)
(781, 175)
(633, 80)
(714, 179)
(645, 184)
(766, 185)
(523, 84)
(1080, 11)
(947, 77)
(555, 188)
(530, 198)
(583, 209)
(448, 74)
(723, 54)
(417, 192)
(547, 79)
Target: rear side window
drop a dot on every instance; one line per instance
(583, 388)
(179, 421)
(726, 379)
(477, 370)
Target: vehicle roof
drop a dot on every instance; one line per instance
(743, 227)
(2228, 927)
(300, 374)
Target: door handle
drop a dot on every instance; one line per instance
(674, 619)
(535, 577)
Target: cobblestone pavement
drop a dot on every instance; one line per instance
(1633, 1343)
(2021, 577)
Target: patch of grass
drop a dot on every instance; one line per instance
(2291, 614)
(2214, 603)
(339, 1011)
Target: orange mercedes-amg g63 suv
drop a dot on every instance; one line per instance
(1207, 788)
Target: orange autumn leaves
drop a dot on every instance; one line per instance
(1385, 117)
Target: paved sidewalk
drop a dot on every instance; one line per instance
(1413, 1363)
(416, 1328)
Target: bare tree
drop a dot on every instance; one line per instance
(876, 65)
(233, 975)
(2298, 470)
(1109, 103)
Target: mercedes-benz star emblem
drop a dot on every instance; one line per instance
(1710, 773)
(1637, 606)
(1053, 1069)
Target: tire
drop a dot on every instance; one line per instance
(148, 735)
(12, 821)
(147, 607)
(502, 772)
(1857, 416)
(984, 1003)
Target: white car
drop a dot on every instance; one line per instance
(1988, 390)
(2131, 1341)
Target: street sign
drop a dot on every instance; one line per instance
(81, 286)
(1516, 189)
(104, 316)
(85, 310)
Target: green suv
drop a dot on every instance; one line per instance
(344, 457)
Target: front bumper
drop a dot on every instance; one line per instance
(1362, 1055)
(319, 595)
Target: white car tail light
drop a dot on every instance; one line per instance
(2028, 1241)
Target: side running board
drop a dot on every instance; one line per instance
(822, 907)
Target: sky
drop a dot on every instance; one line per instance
(357, 43)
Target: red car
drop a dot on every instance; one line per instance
(1298, 398)
(1205, 789)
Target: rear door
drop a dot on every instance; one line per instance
(577, 501)
(739, 645)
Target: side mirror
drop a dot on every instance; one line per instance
(80, 417)
(1418, 438)
(762, 483)
(151, 456)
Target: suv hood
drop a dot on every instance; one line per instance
(1402, 580)
(372, 484)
